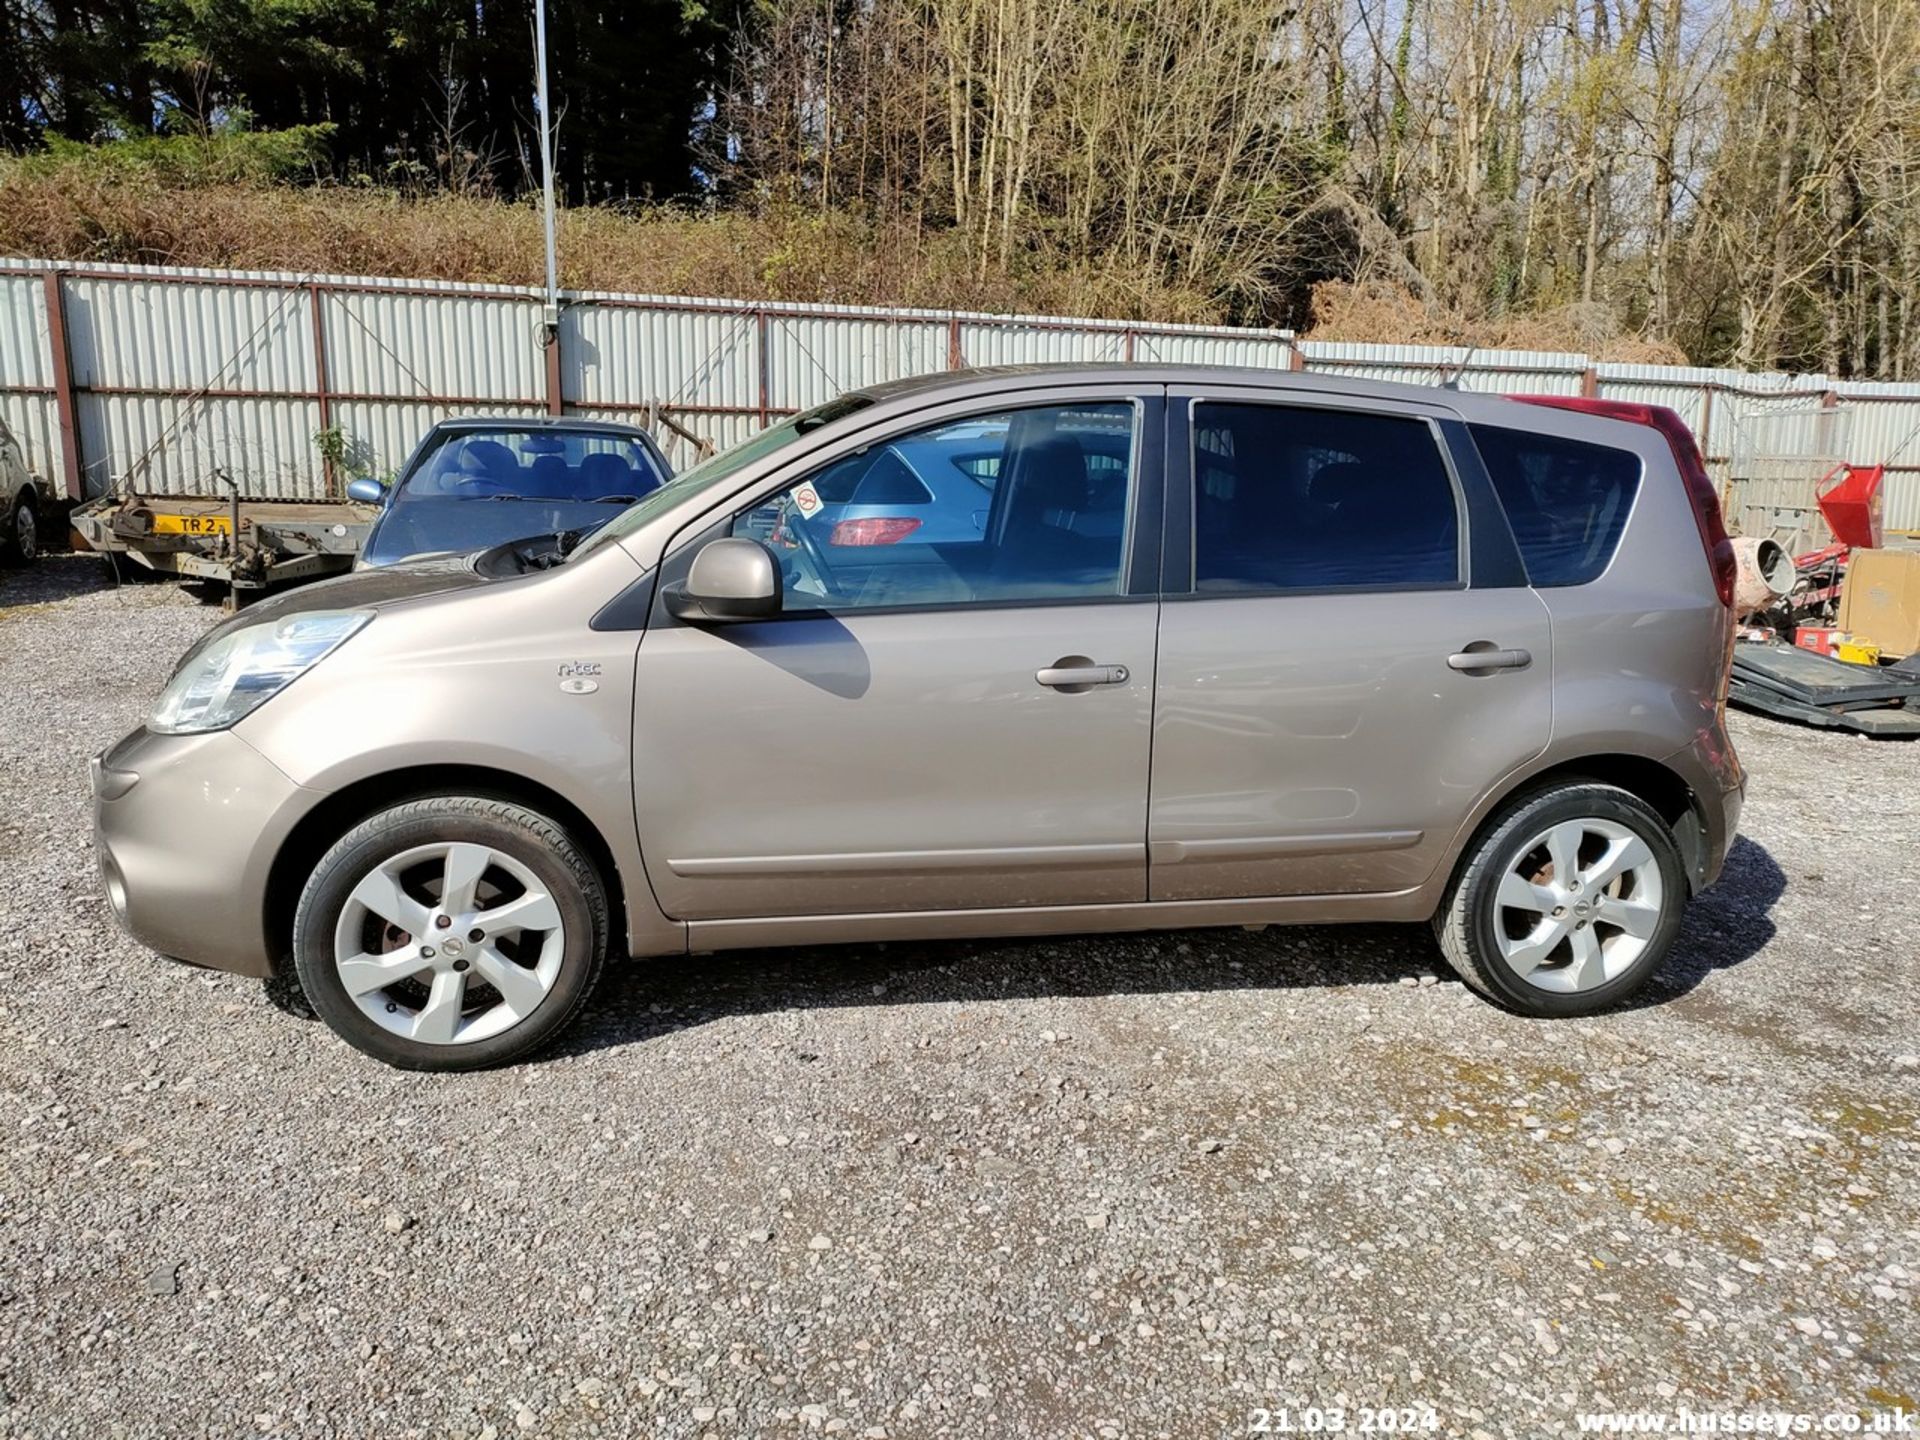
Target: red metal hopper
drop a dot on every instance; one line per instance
(1849, 498)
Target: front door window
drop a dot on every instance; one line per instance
(1026, 504)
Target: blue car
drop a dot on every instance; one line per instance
(477, 483)
(937, 489)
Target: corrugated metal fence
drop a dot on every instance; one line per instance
(163, 376)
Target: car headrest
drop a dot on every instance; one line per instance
(1341, 481)
(604, 474)
(489, 458)
(549, 478)
(1053, 475)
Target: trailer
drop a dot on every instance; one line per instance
(246, 543)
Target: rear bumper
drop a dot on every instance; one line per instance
(1719, 783)
(1721, 837)
(185, 830)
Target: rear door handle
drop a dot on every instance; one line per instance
(1490, 660)
(1081, 677)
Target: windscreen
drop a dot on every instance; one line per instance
(473, 489)
(533, 465)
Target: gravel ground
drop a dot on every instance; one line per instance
(1143, 1186)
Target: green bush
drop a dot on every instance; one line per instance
(230, 155)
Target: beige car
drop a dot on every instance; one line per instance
(1185, 647)
(23, 504)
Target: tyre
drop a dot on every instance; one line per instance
(1567, 901)
(20, 533)
(451, 933)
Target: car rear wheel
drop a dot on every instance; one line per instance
(451, 933)
(20, 538)
(1567, 903)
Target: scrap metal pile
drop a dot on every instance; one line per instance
(1794, 684)
(1817, 626)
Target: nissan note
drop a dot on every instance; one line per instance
(1214, 647)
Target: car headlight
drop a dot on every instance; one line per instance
(247, 667)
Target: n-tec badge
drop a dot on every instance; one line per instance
(579, 685)
(579, 667)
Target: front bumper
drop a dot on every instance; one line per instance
(185, 831)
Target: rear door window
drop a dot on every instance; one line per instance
(1566, 500)
(1298, 498)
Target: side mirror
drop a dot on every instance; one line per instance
(730, 579)
(367, 492)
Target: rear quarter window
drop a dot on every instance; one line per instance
(1566, 500)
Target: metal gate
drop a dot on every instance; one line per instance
(1781, 447)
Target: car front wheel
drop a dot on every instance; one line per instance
(451, 933)
(1567, 902)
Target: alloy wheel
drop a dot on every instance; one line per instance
(26, 532)
(447, 944)
(1578, 905)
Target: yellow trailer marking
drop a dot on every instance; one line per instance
(192, 524)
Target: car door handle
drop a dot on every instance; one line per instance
(1490, 660)
(1082, 676)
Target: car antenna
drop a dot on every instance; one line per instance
(1452, 382)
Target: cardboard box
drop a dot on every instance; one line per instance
(1880, 599)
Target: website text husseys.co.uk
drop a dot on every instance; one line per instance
(1895, 1421)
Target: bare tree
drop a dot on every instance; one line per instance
(1738, 176)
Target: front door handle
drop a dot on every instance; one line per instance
(1490, 659)
(1076, 673)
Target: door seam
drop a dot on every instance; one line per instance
(1168, 475)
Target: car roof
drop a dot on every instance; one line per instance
(989, 377)
(576, 423)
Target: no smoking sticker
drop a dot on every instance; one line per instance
(807, 501)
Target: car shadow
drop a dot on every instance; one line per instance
(1726, 926)
(58, 575)
(69, 574)
(818, 650)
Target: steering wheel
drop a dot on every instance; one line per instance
(472, 487)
